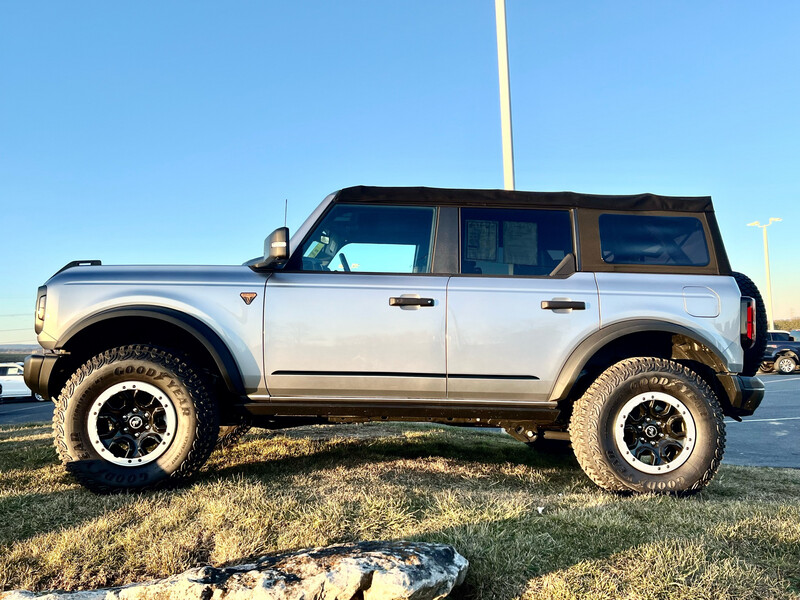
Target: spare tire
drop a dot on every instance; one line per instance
(753, 355)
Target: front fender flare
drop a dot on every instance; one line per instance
(217, 349)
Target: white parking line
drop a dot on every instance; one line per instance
(770, 380)
(21, 410)
(766, 420)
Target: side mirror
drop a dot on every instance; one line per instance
(276, 250)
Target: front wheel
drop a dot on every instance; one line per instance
(134, 418)
(649, 425)
(785, 365)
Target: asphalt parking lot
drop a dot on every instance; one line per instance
(770, 437)
(767, 439)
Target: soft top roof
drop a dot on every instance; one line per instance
(427, 195)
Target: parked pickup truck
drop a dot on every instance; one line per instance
(782, 353)
(613, 321)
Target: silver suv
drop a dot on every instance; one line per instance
(612, 321)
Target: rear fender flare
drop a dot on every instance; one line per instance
(599, 339)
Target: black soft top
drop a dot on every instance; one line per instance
(428, 195)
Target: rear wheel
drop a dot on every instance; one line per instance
(649, 425)
(785, 365)
(134, 418)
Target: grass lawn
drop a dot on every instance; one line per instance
(532, 525)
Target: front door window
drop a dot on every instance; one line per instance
(356, 238)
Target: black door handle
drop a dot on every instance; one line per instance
(406, 301)
(561, 304)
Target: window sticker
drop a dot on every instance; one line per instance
(520, 243)
(482, 240)
(314, 250)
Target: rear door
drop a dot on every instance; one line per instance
(358, 314)
(511, 321)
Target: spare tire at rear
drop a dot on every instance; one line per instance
(754, 354)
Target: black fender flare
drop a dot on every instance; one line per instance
(787, 352)
(217, 349)
(604, 336)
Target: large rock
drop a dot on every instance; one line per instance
(368, 570)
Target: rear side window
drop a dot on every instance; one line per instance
(653, 240)
(504, 241)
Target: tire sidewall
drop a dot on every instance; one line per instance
(706, 445)
(87, 461)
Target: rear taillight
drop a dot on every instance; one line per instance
(747, 322)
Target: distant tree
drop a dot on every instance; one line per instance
(788, 324)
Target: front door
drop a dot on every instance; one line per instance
(356, 314)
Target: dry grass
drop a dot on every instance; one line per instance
(532, 525)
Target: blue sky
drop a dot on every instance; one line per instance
(172, 132)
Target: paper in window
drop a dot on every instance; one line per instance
(520, 243)
(481, 240)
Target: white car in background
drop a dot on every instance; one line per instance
(12, 384)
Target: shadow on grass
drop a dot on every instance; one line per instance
(355, 452)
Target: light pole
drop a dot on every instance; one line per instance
(766, 262)
(505, 94)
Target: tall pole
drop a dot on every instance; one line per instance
(766, 266)
(769, 279)
(505, 94)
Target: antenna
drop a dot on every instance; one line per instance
(285, 210)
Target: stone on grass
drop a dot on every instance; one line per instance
(368, 570)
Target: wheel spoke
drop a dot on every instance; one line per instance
(675, 427)
(143, 400)
(669, 449)
(108, 426)
(123, 446)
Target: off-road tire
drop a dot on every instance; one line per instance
(753, 355)
(195, 422)
(230, 435)
(596, 412)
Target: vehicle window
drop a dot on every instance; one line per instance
(4, 371)
(780, 336)
(652, 240)
(504, 241)
(371, 239)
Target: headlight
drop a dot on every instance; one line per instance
(41, 306)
